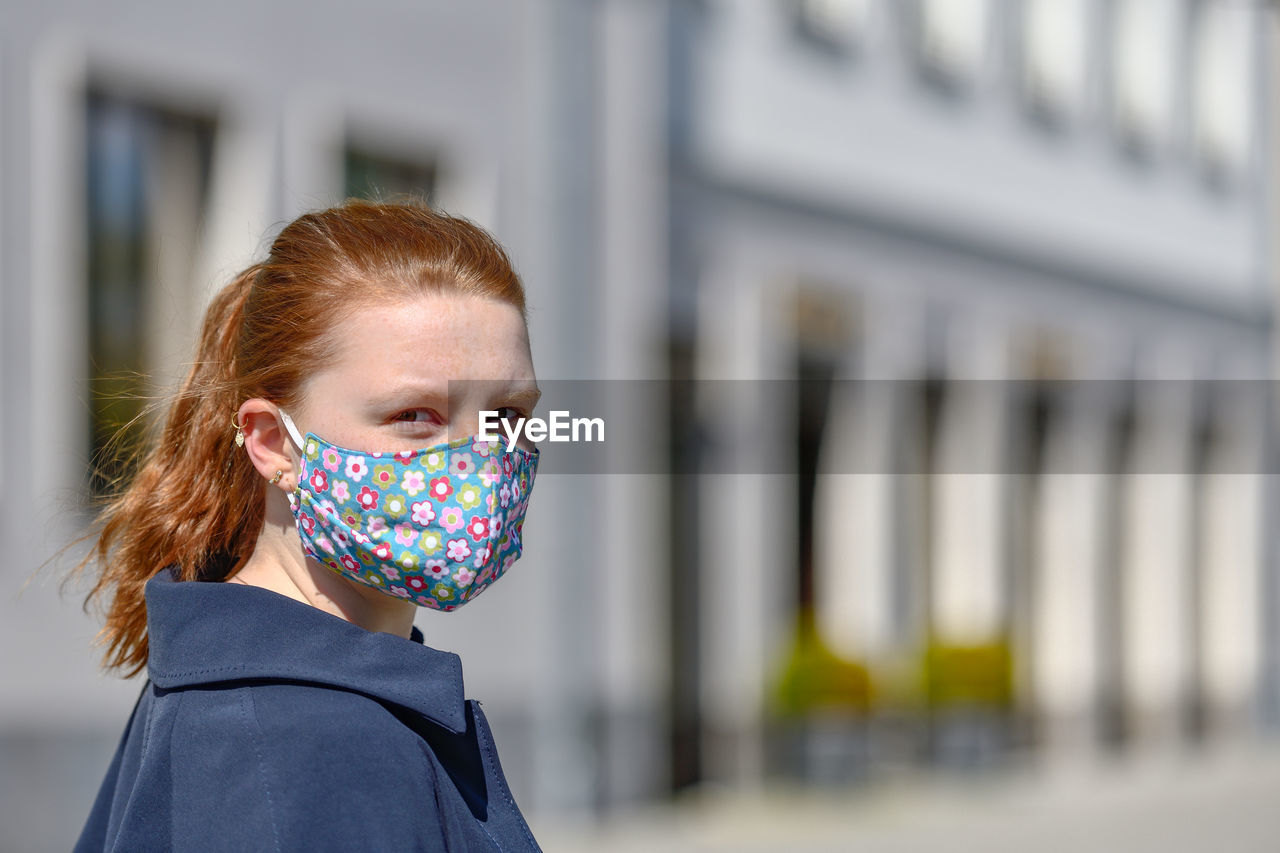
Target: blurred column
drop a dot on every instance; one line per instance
(1230, 601)
(1155, 579)
(561, 265)
(1070, 540)
(970, 650)
(862, 573)
(635, 625)
(748, 511)
(969, 596)
(855, 560)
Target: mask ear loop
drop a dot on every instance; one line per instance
(292, 429)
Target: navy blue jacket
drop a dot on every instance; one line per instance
(267, 724)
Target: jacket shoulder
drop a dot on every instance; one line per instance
(312, 767)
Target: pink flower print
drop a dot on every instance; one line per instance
(377, 527)
(398, 591)
(463, 576)
(326, 510)
(308, 523)
(440, 488)
(404, 457)
(331, 458)
(406, 534)
(477, 528)
(489, 472)
(391, 573)
(507, 465)
(359, 538)
(482, 448)
(349, 563)
(438, 568)
(485, 576)
(482, 556)
(413, 482)
(382, 551)
(458, 550)
(356, 468)
(423, 513)
(319, 480)
(504, 494)
(452, 519)
(323, 543)
(340, 539)
(340, 490)
(461, 465)
(416, 584)
(490, 502)
(368, 498)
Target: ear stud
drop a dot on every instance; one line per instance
(277, 477)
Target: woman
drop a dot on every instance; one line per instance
(318, 478)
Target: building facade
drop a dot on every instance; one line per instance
(963, 313)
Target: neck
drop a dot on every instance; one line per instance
(278, 564)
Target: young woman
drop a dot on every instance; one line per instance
(318, 477)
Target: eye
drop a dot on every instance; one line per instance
(417, 418)
(511, 413)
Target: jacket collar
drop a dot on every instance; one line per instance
(205, 633)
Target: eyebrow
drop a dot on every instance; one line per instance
(398, 395)
(527, 396)
(519, 392)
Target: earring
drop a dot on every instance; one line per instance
(239, 433)
(277, 477)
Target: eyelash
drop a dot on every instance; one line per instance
(516, 414)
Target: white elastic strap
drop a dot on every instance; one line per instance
(293, 430)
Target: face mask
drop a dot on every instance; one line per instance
(435, 526)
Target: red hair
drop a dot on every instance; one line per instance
(196, 503)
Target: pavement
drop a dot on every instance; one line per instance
(1225, 801)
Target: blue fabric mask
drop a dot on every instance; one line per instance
(435, 526)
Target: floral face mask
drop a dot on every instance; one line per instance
(435, 526)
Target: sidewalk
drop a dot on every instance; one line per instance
(1225, 802)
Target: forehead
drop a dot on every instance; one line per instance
(430, 337)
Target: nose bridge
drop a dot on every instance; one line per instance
(467, 398)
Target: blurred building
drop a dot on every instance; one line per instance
(954, 515)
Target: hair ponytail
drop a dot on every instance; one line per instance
(196, 502)
(192, 498)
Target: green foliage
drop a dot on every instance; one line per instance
(975, 675)
(815, 678)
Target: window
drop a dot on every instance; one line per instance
(369, 173)
(837, 25)
(1221, 85)
(952, 38)
(1142, 58)
(1053, 53)
(147, 172)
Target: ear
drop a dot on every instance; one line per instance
(267, 443)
